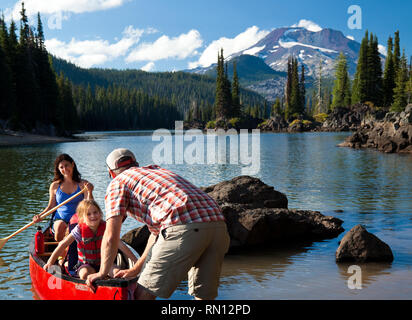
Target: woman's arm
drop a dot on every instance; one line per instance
(59, 250)
(52, 201)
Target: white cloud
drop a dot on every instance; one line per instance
(230, 46)
(350, 37)
(148, 67)
(383, 50)
(88, 53)
(180, 47)
(309, 25)
(58, 6)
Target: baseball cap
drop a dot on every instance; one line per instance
(119, 158)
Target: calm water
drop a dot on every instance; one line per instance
(367, 187)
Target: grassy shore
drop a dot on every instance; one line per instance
(13, 138)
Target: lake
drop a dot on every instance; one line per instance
(358, 186)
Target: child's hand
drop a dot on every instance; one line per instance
(47, 266)
(36, 218)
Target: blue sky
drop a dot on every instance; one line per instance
(161, 35)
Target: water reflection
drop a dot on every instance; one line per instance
(259, 264)
(367, 187)
(369, 272)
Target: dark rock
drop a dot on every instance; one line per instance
(137, 238)
(351, 119)
(275, 124)
(257, 214)
(195, 124)
(390, 135)
(265, 226)
(361, 246)
(304, 126)
(247, 190)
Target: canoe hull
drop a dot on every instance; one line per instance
(57, 286)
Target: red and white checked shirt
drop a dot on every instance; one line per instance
(159, 198)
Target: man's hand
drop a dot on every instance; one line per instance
(92, 278)
(126, 273)
(132, 272)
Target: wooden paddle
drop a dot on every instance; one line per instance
(44, 215)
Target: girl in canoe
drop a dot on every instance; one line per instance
(66, 182)
(88, 234)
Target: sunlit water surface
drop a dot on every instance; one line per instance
(360, 187)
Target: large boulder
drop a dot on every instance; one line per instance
(249, 227)
(359, 245)
(258, 215)
(137, 238)
(247, 190)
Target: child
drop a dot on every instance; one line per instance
(66, 182)
(88, 234)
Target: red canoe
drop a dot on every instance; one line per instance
(57, 285)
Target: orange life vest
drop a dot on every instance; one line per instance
(89, 247)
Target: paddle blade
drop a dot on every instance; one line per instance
(2, 243)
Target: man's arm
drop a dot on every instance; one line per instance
(110, 245)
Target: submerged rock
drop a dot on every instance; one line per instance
(361, 246)
(258, 215)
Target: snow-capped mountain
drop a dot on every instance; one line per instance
(308, 46)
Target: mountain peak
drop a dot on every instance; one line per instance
(309, 46)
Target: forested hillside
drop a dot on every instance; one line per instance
(183, 90)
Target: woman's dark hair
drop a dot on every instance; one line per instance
(58, 176)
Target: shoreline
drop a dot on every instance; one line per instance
(22, 138)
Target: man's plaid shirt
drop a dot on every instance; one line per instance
(159, 198)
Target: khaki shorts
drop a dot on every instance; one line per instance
(192, 251)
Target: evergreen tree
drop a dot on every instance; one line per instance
(219, 97)
(223, 94)
(409, 85)
(374, 72)
(5, 86)
(288, 87)
(4, 36)
(40, 34)
(277, 108)
(302, 91)
(341, 89)
(235, 93)
(360, 83)
(389, 76)
(319, 98)
(400, 93)
(294, 90)
(227, 89)
(397, 53)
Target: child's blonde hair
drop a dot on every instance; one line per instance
(83, 208)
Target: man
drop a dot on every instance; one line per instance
(188, 231)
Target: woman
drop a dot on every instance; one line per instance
(66, 182)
